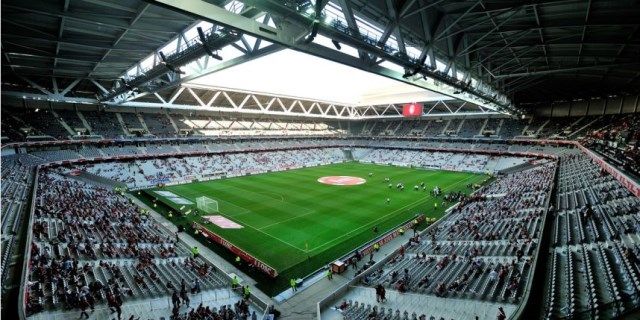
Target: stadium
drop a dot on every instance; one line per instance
(320, 159)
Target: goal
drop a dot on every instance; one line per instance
(207, 205)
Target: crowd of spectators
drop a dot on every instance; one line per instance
(149, 172)
(620, 141)
(80, 227)
(237, 311)
(91, 245)
(440, 159)
(109, 125)
(482, 250)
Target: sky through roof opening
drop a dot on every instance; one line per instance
(295, 74)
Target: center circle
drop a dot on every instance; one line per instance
(342, 180)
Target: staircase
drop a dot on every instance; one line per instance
(517, 168)
(445, 127)
(460, 126)
(573, 134)
(63, 123)
(173, 123)
(526, 127)
(122, 125)
(499, 127)
(484, 125)
(144, 124)
(84, 121)
(348, 155)
(426, 126)
(96, 179)
(542, 127)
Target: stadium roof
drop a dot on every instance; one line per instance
(96, 39)
(531, 51)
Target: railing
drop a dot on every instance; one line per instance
(23, 288)
(518, 314)
(129, 141)
(152, 303)
(323, 303)
(22, 299)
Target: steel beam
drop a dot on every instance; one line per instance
(598, 66)
(289, 35)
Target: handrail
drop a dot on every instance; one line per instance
(23, 288)
(527, 289)
(118, 141)
(22, 312)
(345, 287)
(201, 153)
(335, 293)
(589, 314)
(133, 141)
(27, 258)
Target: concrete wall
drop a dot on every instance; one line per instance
(594, 107)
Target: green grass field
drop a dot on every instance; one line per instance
(296, 224)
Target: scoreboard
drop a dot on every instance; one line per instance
(412, 110)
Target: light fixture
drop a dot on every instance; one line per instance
(169, 65)
(216, 56)
(314, 31)
(205, 45)
(125, 84)
(336, 44)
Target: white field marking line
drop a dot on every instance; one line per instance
(254, 228)
(268, 194)
(199, 194)
(232, 218)
(296, 217)
(301, 209)
(392, 212)
(246, 211)
(310, 212)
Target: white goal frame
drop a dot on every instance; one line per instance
(207, 204)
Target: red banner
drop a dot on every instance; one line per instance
(237, 251)
(412, 110)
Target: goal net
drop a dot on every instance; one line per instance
(207, 205)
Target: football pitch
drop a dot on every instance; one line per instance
(296, 224)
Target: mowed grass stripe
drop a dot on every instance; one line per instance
(403, 176)
(365, 214)
(290, 210)
(243, 198)
(407, 207)
(347, 223)
(243, 239)
(368, 223)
